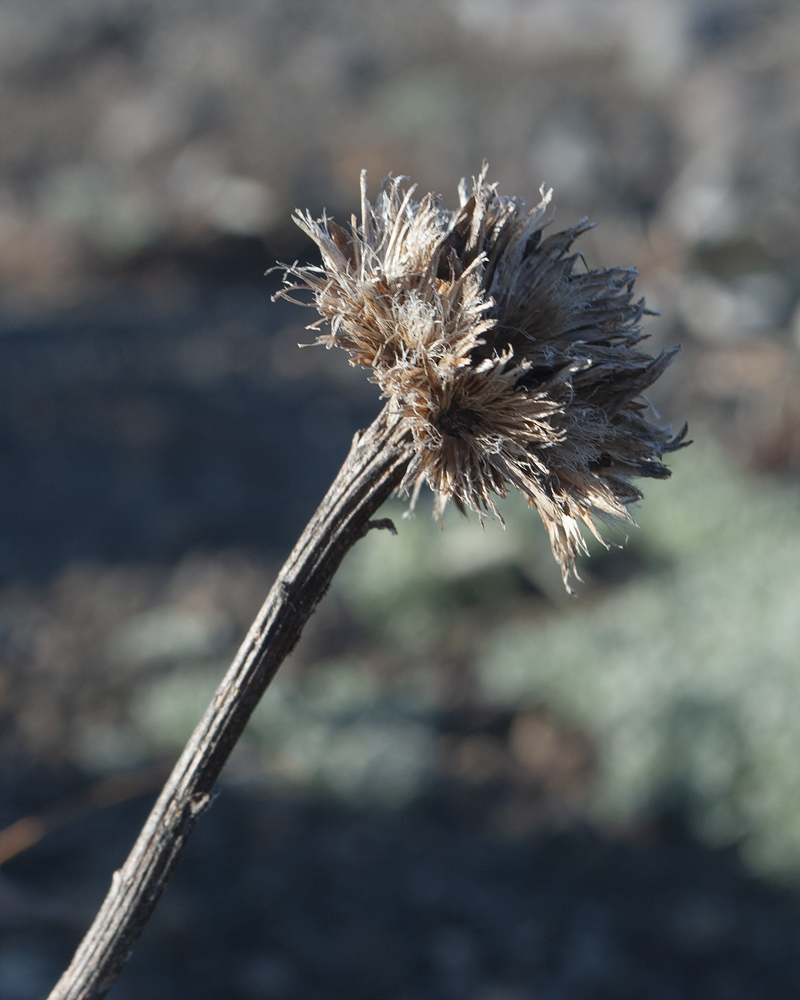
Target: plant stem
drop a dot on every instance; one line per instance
(373, 469)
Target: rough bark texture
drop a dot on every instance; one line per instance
(373, 469)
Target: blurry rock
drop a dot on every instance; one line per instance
(473, 759)
(717, 312)
(242, 206)
(40, 261)
(199, 186)
(651, 35)
(565, 153)
(794, 325)
(560, 758)
(705, 208)
(758, 385)
(138, 124)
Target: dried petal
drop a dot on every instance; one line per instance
(513, 364)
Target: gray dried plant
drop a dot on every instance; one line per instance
(512, 364)
(506, 363)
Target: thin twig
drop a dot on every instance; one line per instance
(373, 469)
(25, 832)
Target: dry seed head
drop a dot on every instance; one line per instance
(512, 363)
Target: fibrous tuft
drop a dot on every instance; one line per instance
(513, 364)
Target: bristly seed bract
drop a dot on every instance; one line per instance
(513, 364)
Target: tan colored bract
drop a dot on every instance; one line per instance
(512, 363)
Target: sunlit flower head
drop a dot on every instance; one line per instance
(513, 364)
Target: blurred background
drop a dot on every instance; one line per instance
(464, 784)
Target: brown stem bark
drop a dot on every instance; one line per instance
(371, 472)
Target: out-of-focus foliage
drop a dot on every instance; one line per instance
(335, 732)
(162, 442)
(686, 676)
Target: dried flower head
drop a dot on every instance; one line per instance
(512, 363)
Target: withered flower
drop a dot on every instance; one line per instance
(513, 364)
(506, 363)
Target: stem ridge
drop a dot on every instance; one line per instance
(374, 468)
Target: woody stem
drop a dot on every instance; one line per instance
(373, 469)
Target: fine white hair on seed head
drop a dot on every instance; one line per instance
(513, 364)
